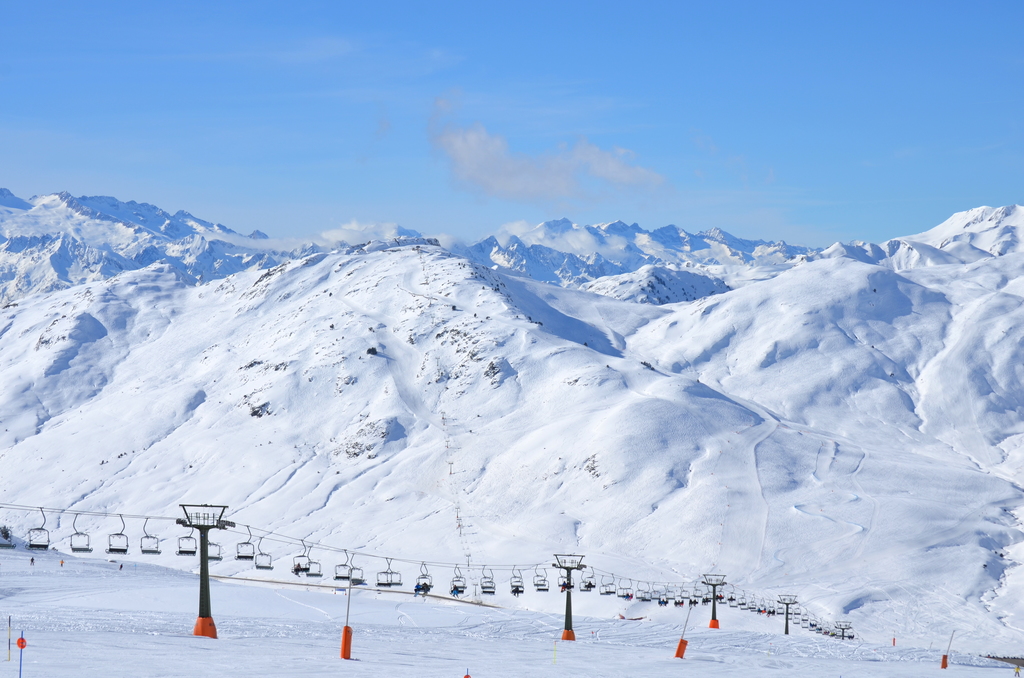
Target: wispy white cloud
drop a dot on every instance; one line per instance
(483, 162)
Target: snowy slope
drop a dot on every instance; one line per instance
(89, 619)
(657, 285)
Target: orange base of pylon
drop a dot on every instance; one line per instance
(346, 643)
(205, 627)
(568, 634)
(945, 662)
(681, 648)
(713, 624)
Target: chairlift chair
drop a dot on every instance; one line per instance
(643, 592)
(315, 570)
(356, 576)
(214, 551)
(149, 545)
(300, 564)
(607, 586)
(589, 581)
(187, 546)
(424, 582)
(117, 543)
(540, 581)
(516, 583)
(263, 560)
(245, 550)
(388, 578)
(458, 583)
(625, 592)
(487, 585)
(343, 572)
(79, 540)
(39, 537)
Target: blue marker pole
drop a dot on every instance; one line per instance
(21, 652)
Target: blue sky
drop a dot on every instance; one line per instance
(812, 122)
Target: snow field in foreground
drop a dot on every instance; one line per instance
(90, 619)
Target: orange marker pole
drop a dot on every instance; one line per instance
(681, 647)
(945, 657)
(346, 633)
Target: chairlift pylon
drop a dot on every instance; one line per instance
(39, 537)
(149, 545)
(246, 550)
(79, 540)
(117, 543)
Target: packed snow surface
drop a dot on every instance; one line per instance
(90, 619)
(844, 426)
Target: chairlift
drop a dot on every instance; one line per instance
(214, 551)
(516, 582)
(643, 592)
(79, 540)
(389, 578)
(300, 564)
(315, 570)
(607, 586)
(149, 545)
(540, 581)
(487, 585)
(679, 598)
(424, 582)
(458, 583)
(625, 592)
(263, 560)
(117, 543)
(187, 546)
(742, 602)
(245, 550)
(39, 537)
(343, 571)
(356, 574)
(589, 581)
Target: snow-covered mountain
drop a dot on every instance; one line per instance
(849, 429)
(569, 254)
(57, 241)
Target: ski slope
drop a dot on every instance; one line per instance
(88, 619)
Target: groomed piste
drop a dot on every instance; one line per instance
(95, 618)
